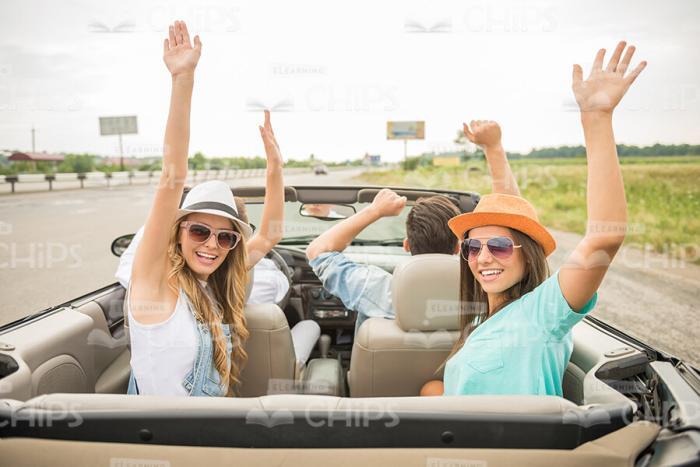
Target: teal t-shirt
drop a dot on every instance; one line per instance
(522, 349)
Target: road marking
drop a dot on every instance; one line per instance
(67, 202)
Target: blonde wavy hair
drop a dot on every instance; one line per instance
(228, 287)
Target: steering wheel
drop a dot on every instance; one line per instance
(286, 270)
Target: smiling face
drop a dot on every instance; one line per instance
(205, 258)
(493, 274)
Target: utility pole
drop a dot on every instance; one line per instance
(121, 154)
(33, 145)
(405, 154)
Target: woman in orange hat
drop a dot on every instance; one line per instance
(516, 321)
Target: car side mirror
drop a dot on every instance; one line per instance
(120, 244)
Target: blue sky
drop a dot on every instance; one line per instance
(334, 73)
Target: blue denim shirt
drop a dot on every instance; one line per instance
(203, 379)
(363, 288)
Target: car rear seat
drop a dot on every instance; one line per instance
(396, 357)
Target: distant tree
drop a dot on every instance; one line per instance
(22, 167)
(580, 151)
(198, 161)
(108, 168)
(8, 169)
(77, 163)
(412, 163)
(348, 162)
(217, 163)
(460, 138)
(300, 163)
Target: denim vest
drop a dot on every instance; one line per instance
(203, 379)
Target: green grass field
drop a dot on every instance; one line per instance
(663, 195)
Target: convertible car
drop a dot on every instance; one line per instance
(64, 373)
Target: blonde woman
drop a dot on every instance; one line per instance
(187, 290)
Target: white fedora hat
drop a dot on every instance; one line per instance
(213, 197)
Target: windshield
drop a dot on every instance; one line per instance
(303, 229)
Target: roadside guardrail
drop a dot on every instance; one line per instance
(109, 179)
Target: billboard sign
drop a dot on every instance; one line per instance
(118, 125)
(405, 130)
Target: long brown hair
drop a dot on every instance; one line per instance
(474, 304)
(228, 288)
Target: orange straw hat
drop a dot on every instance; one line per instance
(506, 211)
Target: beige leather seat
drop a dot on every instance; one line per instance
(271, 365)
(396, 357)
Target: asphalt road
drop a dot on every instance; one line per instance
(56, 246)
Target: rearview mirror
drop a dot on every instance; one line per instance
(120, 244)
(327, 212)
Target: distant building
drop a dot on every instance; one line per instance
(372, 159)
(36, 157)
(447, 160)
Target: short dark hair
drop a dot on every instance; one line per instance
(426, 226)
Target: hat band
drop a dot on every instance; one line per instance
(213, 205)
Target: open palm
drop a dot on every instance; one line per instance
(178, 54)
(604, 88)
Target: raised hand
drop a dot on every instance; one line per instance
(178, 54)
(584, 270)
(387, 203)
(484, 133)
(487, 135)
(271, 229)
(272, 149)
(604, 88)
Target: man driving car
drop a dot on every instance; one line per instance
(367, 288)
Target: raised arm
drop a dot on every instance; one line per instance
(271, 228)
(597, 97)
(337, 238)
(487, 135)
(149, 273)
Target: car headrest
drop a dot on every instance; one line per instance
(425, 293)
(265, 317)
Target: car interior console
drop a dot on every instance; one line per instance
(325, 308)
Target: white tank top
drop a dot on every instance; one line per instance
(163, 354)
